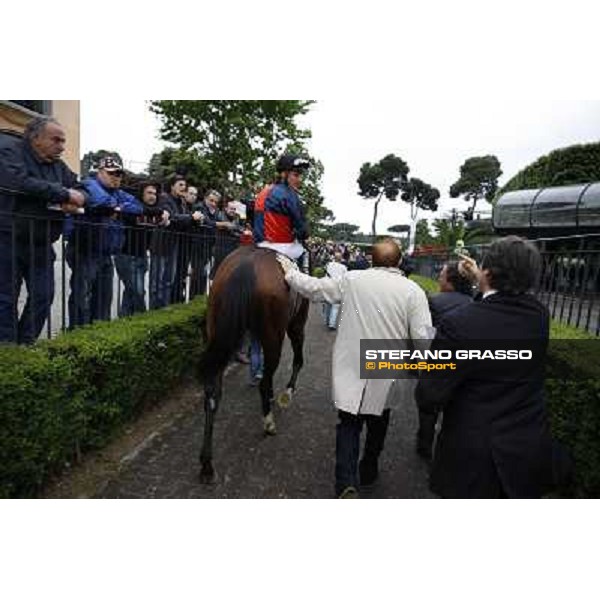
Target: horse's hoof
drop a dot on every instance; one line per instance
(285, 398)
(269, 425)
(207, 476)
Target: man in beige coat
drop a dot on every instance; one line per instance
(378, 303)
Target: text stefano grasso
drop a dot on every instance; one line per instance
(459, 354)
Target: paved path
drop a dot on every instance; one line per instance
(296, 463)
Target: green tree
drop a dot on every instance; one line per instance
(234, 139)
(233, 146)
(384, 178)
(478, 179)
(419, 195)
(452, 227)
(342, 232)
(448, 231)
(564, 166)
(175, 161)
(399, 229)
(422, 235)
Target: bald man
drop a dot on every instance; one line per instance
(377, 303)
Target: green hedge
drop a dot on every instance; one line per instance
(565, 166)
(68, 395)
(573, 393)
(430, 286)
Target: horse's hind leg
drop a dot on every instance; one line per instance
(295, 332)
(212, 396)
(271, 344)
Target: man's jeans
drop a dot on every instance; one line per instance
(91, 287)
(162, 278)
(35, 266)
(132, 272)
(347, 445)
(256, 359)
(330, 313)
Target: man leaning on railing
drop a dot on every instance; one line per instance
(93, 240)
(36, 190)
(132, 262)
(228, 231)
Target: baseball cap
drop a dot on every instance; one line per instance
(110, 163)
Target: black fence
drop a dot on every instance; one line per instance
(570, 280)
(57, 274)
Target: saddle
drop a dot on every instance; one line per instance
(295, 298)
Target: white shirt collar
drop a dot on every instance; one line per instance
(489, 293)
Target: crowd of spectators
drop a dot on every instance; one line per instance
(324, 251)
(159, 244)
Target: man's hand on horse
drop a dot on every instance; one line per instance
(286, 263)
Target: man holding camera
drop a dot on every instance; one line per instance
(495, 441)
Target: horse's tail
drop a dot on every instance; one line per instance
(233, 318)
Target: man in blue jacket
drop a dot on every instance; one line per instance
(37, 189)
(93, 239)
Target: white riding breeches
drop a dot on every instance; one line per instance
(293, 250)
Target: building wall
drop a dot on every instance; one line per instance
(66, 112)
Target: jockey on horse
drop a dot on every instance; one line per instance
(249, 294)
(279, 222)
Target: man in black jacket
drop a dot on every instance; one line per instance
(228, 230)
(132, 262)
(204, 241)
(165, 269)
(36, 190)
(495, 440)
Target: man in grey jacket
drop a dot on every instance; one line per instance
(376, 303)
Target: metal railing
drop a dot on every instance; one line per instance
(58, 274)
(569, 284)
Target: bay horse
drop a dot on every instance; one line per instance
(249, 294)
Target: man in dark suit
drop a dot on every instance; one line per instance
(495, 439)
(456, 290)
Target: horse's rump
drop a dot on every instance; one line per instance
(248, 293)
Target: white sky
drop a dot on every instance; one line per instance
(434, 137)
